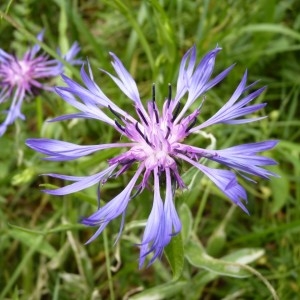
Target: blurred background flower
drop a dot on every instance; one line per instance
(23, 77)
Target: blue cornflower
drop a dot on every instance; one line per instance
(20, 77)
(155, 143)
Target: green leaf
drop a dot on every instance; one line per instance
(30, 239)
(271, 28)
(131, 18)
(231, 265)
(159, 292)
(216, 241)
(187, 222)
(174, 254)
(86, 34)
(293, 147)
(280, 190)
(59, 228)
(244, 256)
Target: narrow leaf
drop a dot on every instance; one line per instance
(228, 266)
(174, 254)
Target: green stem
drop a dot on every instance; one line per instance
(39, 113)
(108, 264)
(201, 208)
(8, 6)
(262, 278)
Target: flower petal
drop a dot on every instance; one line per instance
(185, 73)
(113, 208)
(81, 183)
(61, 151)
(234, 109)
(224, 180)
(125, 81)
(154, 238)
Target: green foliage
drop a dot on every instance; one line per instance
(42, 249)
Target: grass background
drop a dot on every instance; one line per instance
(42, 251)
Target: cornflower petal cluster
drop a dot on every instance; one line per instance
(155, 144)
(22, 77)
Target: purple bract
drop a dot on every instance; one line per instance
(155, 144)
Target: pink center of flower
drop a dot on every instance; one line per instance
(157, 137)
(18, 73)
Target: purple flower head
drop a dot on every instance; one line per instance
(20, 77)
(155, 143)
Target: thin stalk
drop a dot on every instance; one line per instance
(108, 264)
(201, 208)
